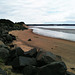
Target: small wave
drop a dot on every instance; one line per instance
(55, 34)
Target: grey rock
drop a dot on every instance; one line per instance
(18, 51)
(9, 38)
(31, 53)
(13, 54)
(44, 58)
(30, 70)
(55, 68)
(4, 53)
(4, 46)
(23, 61)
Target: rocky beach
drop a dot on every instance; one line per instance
(24, 53)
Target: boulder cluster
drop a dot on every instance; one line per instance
(6, 26)
(33, 62)
(36, 62)
(6, 37)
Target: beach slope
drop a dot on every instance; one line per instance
(63, 48)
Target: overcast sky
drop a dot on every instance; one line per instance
(38, 11)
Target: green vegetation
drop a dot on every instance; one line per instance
(6, 24)
(20, 23)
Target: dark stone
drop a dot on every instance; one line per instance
(51, 48)
(13, 37)
(70, 73)
(4, 53)
(29, 70)
(6, 38)
(9, 38)
(13, 54)
(22, 61)
(4, 35)
(44, 58)
(19, 51)
(55, 68)
(3, 46)
(2, 72)
(73, 69)
(11, 46)
(5, 32)
(31, 53)
(29, 40)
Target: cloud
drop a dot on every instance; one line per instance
(38, 11)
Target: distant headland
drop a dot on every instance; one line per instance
(50, 24)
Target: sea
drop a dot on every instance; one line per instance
(61, 32)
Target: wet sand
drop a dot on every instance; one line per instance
(66, 49)
(72, 31)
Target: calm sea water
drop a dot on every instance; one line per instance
(60, 27)
(57, 32)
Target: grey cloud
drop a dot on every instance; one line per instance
(38, 11)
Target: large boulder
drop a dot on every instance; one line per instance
(30, 70)
(13, 54)
(4, 46)
(45, 57)
(6, 38)
(4, 32)
(4, 53)
(55, 68)
(22, 61)
(31, 53)
(18, 51)
(9, 38)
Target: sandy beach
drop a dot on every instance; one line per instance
(64, 48)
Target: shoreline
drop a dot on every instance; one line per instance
(53, 37)
(63, 48)
(72, 31)
(64, 34)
